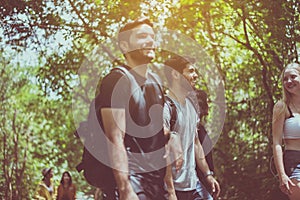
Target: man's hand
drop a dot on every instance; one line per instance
(114, 125)
(169, 183)
(174, 148)
(215, 187)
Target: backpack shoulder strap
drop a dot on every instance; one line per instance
(124, 71)
(127, 74)
(154, 77)
(158, 81)
(173, 113)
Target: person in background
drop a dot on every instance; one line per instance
(66, 189)
(45, 189)
(286, 127)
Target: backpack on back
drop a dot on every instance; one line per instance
(95, 172)
(95, 160)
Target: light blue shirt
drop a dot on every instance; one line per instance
(186, 126)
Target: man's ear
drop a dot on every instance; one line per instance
(124, 47)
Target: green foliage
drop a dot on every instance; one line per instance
(249, 41)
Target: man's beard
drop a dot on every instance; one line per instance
(140, 56)
(185, 84)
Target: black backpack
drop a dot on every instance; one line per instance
(95, 172)
(173, 112)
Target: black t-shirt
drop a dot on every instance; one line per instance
(144, 138)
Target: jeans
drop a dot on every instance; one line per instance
(203, 192)
(200, 193)
(291, 160)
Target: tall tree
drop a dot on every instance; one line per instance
(250, 41)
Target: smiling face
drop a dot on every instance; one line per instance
(142, 39)
(190, 74)
(291, 80)
(66, 178)
(140, 45)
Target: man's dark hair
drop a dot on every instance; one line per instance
(131, 25)
(177, 63)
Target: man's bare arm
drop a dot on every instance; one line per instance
(203, 166)
(114, 128)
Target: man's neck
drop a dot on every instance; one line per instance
(139, 68)
(178, 93)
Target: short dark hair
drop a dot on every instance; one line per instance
(177, 63)
(131, 25)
